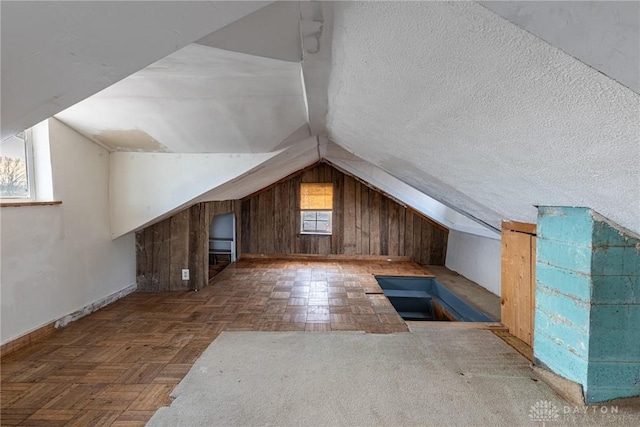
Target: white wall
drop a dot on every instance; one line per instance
(476, 258)
(58, 259)
(42, 162)
(145, 186)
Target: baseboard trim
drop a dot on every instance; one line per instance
(48, 329)
(330, 257)
(27, 339)
(489, 326)
(569, 390)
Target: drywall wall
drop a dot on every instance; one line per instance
(59, 259)
(479, 114)
(42, 162)
(146, 186)
(475, 257)
(292, 158)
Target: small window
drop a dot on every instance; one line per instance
(15, 167)
(316, 205)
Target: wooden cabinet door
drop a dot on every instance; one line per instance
(518, 279)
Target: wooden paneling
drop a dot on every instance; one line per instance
(518, 280)
(349, 224)
(365, 222)
(181, 241)
(198, 246)
(365, 219)
(179, 249)
(374, 223)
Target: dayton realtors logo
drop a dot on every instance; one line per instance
(543, 412)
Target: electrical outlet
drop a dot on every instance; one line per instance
(185, 274)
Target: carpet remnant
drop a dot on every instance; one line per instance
(429, 376)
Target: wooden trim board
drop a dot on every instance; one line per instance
(46, 330)
(280, 181)
(520, 346)
(493, 326)
(27, 339)
(321, 257)
(26, 203)
(520, 227)
(389, 196)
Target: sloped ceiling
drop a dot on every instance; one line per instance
(272, 32)
(55, 54)
(199, 99)
(602, 34)
(448, 99)
(481, 115)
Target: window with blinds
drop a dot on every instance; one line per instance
(316, 205)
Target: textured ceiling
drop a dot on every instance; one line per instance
(602, 34)
(450, 99)
(481, 115)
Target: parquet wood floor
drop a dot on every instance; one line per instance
(118, 365)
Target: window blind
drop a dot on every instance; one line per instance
(316, 196)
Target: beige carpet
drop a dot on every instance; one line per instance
(431, 376)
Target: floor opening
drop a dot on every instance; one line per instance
(217, 263)
(424, 298)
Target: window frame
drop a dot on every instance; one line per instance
(316, 231)
(29, 171)
(303, 211)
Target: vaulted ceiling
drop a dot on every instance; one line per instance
(482, 109)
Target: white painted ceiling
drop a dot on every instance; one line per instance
(199, 99)
(602, 34)
(55, 54)
(481, 115)
(489, 116)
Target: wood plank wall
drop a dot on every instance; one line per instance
(365, 222)
(181, 241)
